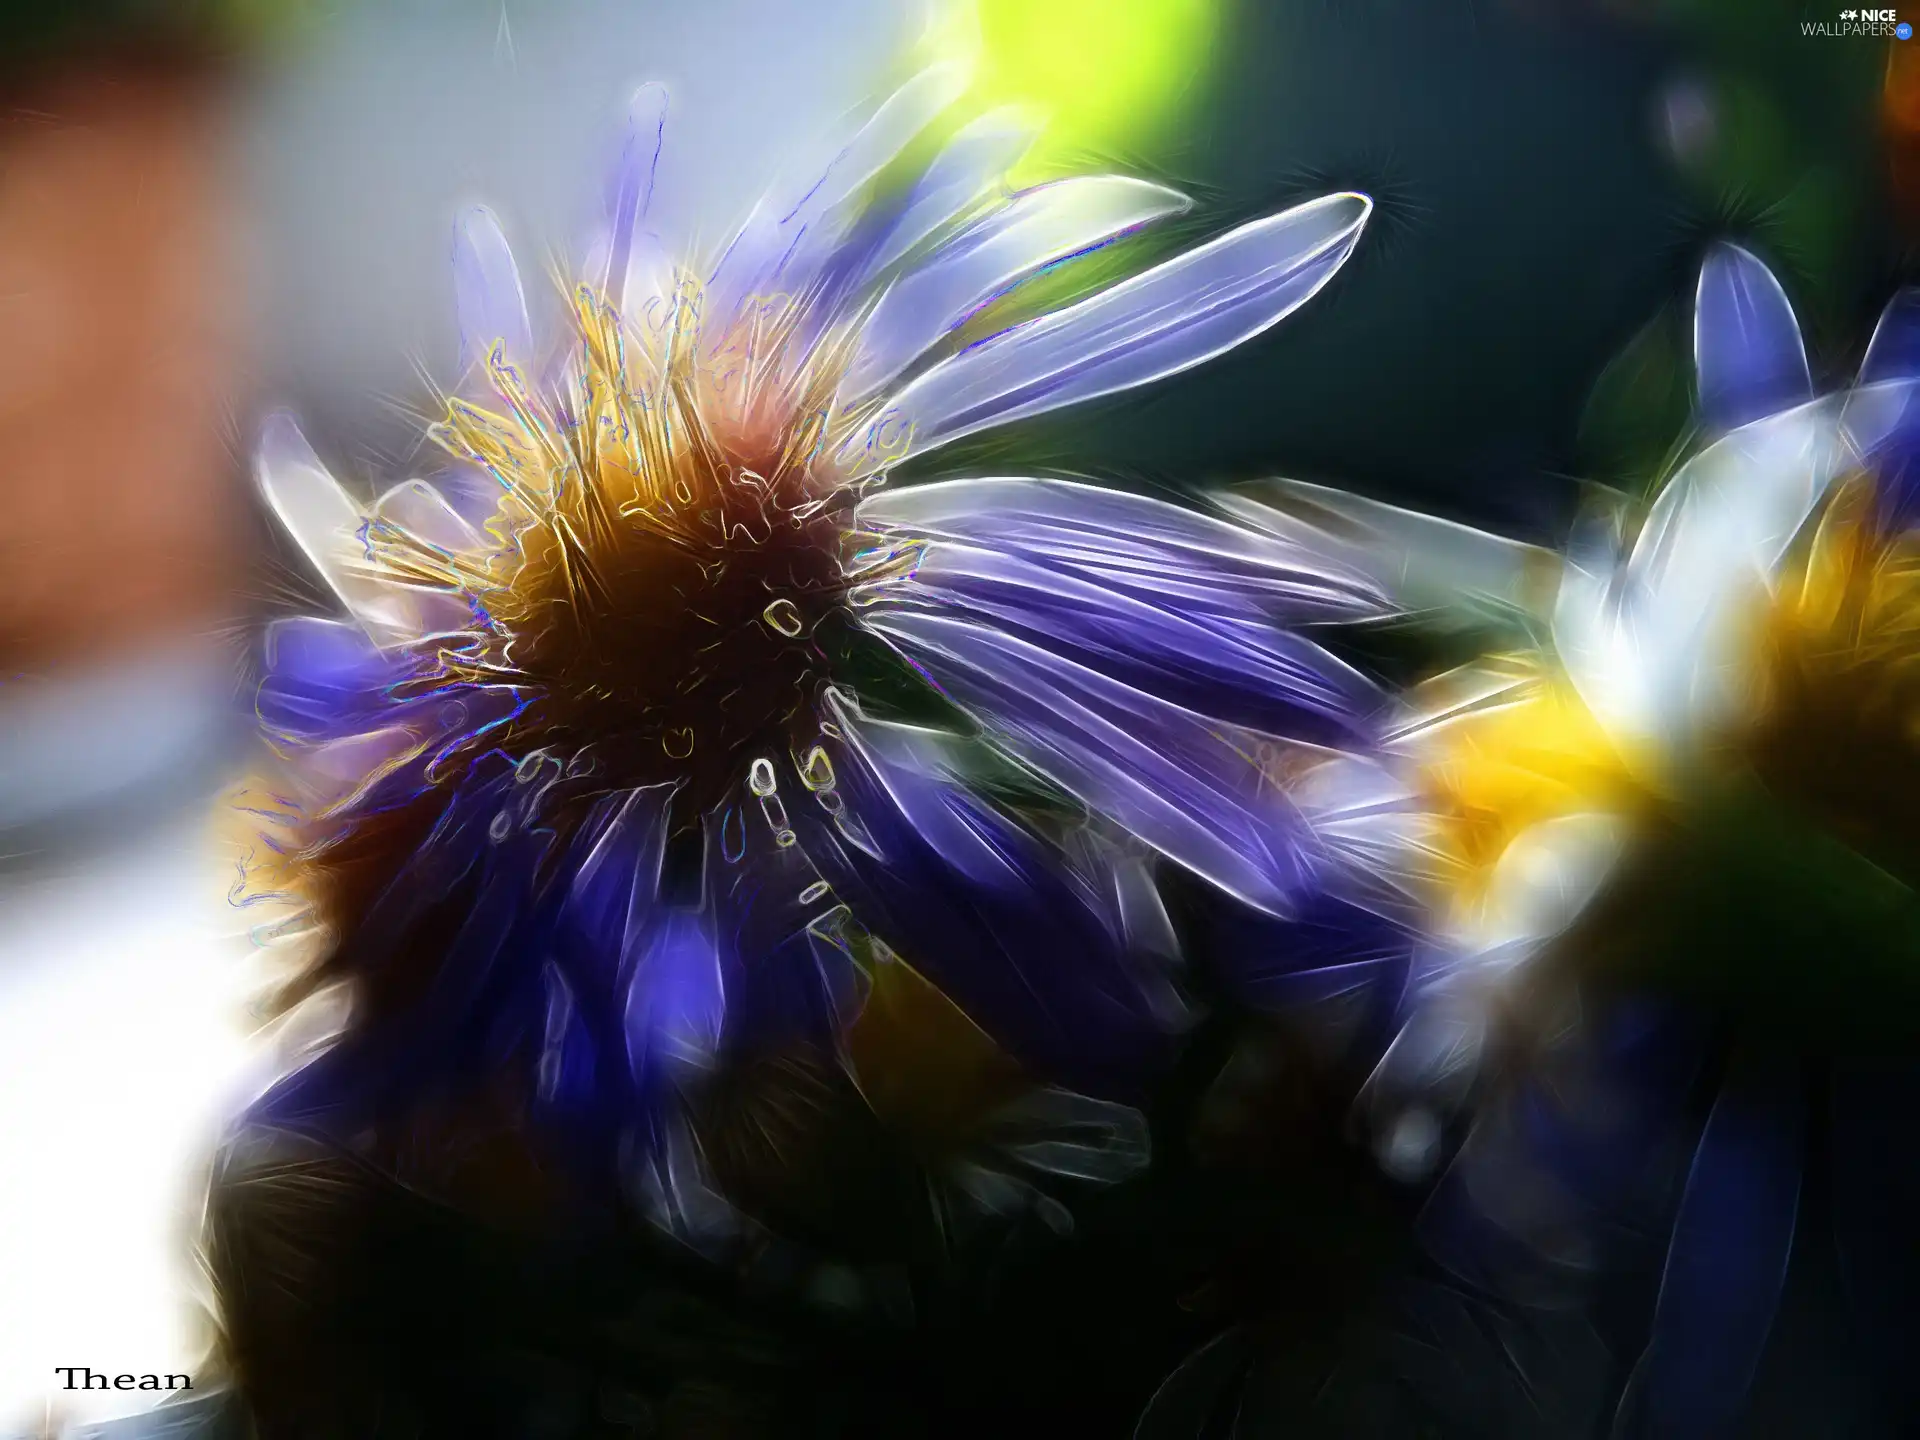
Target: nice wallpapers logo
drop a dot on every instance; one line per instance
(1857, 23)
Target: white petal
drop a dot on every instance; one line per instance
(488, 299)
(421, 510)
(1655, 648)
(1542, 882)
(323, 520)
(1420, 562)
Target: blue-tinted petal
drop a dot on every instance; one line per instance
(1331, 954)
(649, 969)
(793, 231)
(631, 193)
(676, 997)
(1422, 562)
(1894, 354)
(1727, 1261)
(961, 179)
(1267, 679)
(983, 907)
(1560, 1177)
(488, 298)
(971, 168)
(1180, 559)
(788, 974)
(1188, 786)
(1746, 343)
(1036, 228)
(486, 983)
(324, 678)
(1174, 316)
(1894, 351)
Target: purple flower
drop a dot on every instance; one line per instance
(659, 724)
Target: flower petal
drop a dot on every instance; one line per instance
(1186, 785)
(651, 969)
(324, 521)
(1419, 562)
(1182, 560)
(793, 230)
(1652, 650)
(1746, 344)
(1894, 354)
(631, 197)
(1174, 316)
(976, 902)
(423, 512)
(1336, 968)
(789, 976)
(1727, 1262)
(491, 306)
(1268, 680)
(971, 167)
(324, 678)
(1034, 229)
(1894, 351)
(1563, 1171)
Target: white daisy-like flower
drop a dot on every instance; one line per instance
(1642, 673)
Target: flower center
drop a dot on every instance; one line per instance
(1532, 754)
(1840, 733)
(670, 551)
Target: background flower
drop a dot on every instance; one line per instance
(1685, 778)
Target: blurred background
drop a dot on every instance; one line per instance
(207, 210)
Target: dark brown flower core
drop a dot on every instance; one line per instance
(672, 537)
(672, 546)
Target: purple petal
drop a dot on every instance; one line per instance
(1727, 1262)
(1746, 343)
(1191, 788)
(652, 970)
(676, 997)
(325, 679)
(1175, 316)
(990, 913)
(486, 991)
(631, 194)
(1035, 229)
(1179, 559)
(1265, 679)
(1330, 954)
(1421, 561)
(971, 167)
(1894, 351)
(1561, 1174)
(788, 973)
(1894, 354)
(793, 230)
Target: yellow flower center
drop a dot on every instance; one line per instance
(1836, 732)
